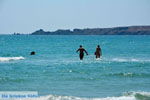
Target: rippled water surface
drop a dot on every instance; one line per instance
(56, 69)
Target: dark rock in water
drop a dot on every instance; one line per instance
(32, 53)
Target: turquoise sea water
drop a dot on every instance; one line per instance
(56, 72)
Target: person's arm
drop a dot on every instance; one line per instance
(95, 51)
(86, 52)
(100, 51)
(77, 50)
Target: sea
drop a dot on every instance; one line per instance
(57, 73)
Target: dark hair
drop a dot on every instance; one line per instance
(80, 45)
(32, 53)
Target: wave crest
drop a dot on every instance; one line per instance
(126, 96)
(4, 59)
(130, 60)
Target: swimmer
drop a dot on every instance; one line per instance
(98, 52)
(81, 52)
(32, 53)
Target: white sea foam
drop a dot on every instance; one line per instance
(126, 96)
(4, 59)
(101, 60)
(130, 60)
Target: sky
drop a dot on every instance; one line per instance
(27, 16)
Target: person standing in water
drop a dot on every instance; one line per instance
(81, 50)
(98, 52)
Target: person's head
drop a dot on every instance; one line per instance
(32, 53)
(98, 46)
(80, 46)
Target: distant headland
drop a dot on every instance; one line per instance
(130, 30)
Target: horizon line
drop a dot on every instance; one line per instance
(76, 28)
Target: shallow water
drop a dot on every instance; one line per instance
(56, 69)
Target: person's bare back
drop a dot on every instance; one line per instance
(98, 52)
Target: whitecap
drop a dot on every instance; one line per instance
(130, 60)
(125, 96)
(4, 59)
(119, 59)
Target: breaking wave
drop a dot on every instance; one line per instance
(125, 96)
(4, 59)
(130, 60)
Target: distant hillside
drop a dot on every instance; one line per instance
(131, 30)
